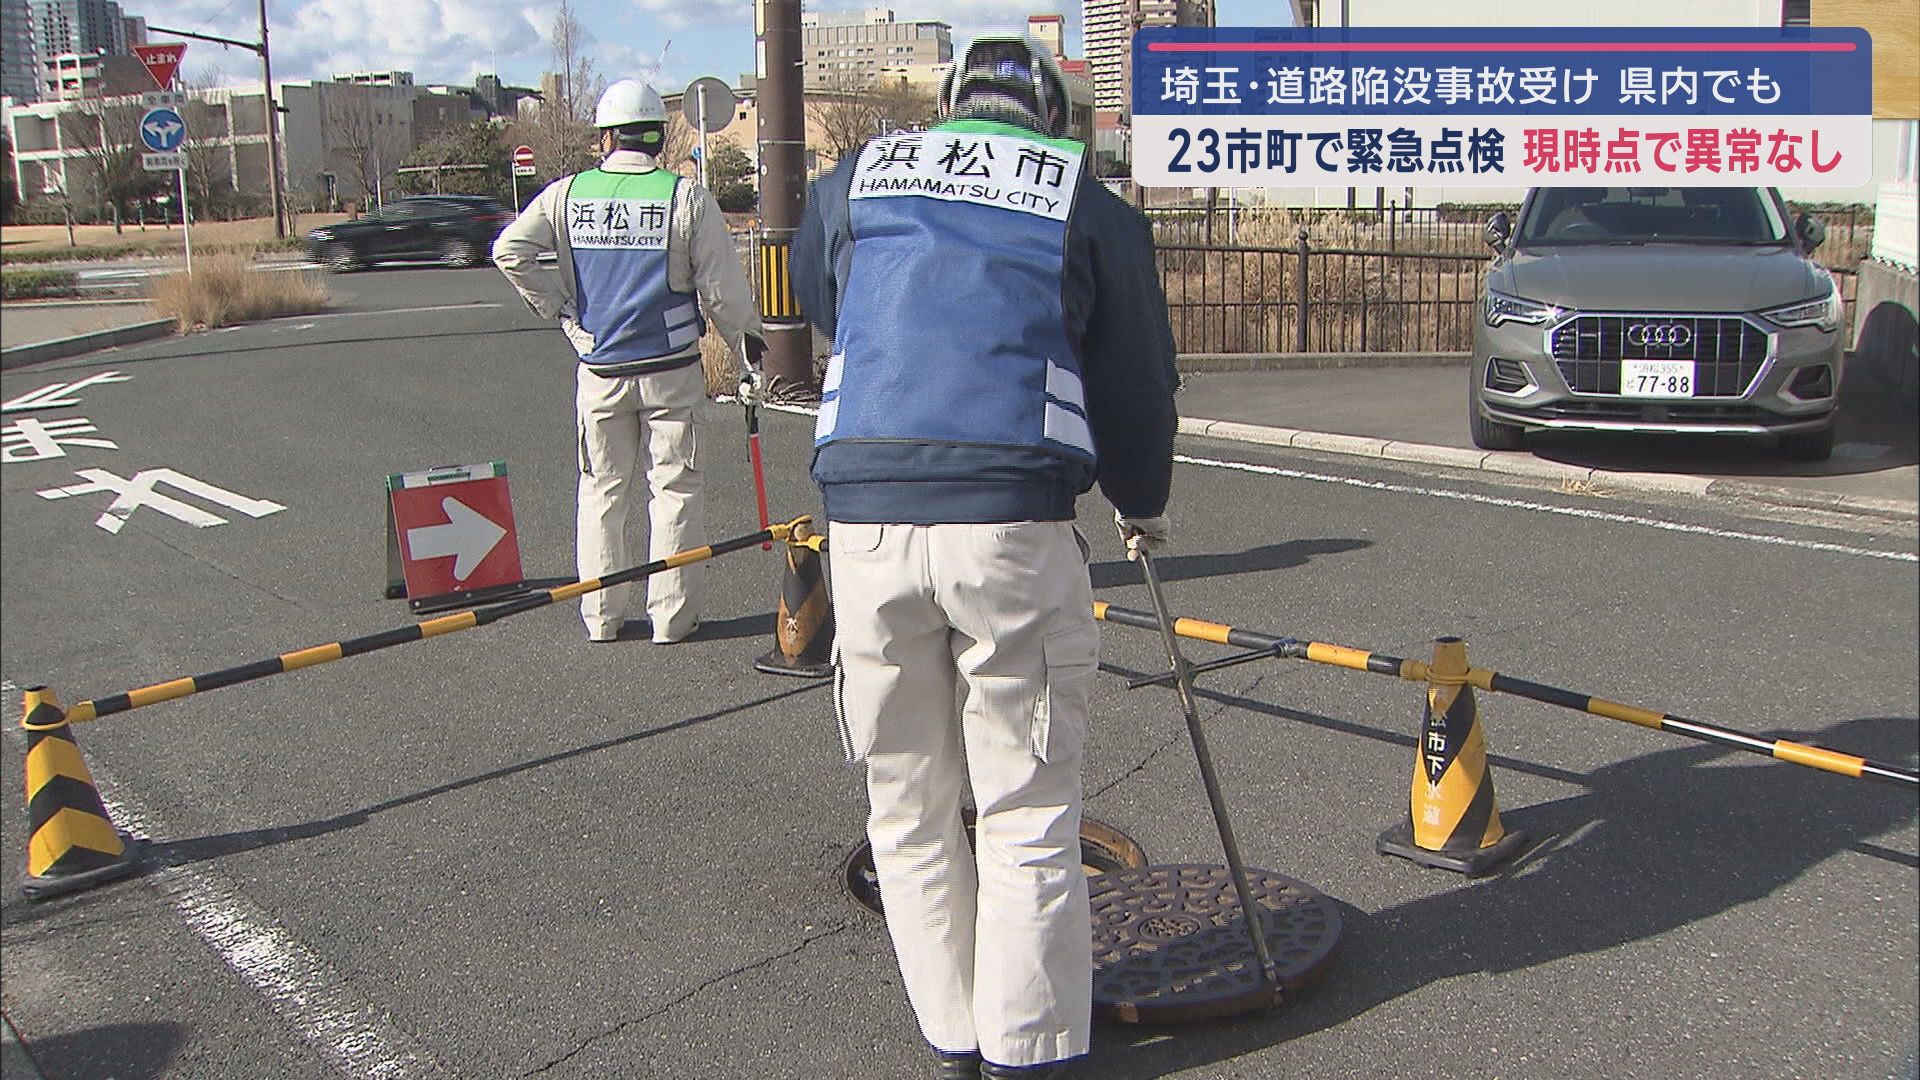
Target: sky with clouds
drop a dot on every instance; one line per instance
(451, 41)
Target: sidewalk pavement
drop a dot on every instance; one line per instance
(1410, 409)
(30, 322)
(1418, 414)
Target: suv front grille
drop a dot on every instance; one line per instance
(1727, 352)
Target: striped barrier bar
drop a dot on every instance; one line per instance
(1265, 646)
(446, 624)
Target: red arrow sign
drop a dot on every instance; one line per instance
(456, 535)
(161, 60)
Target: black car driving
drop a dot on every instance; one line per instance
(452, 230)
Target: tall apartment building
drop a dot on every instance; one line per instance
(852, 49)
(19, 70)
(1107, 27)
(79, 26)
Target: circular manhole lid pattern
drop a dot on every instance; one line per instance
(1170, 944)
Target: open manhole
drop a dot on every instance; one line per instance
(1170, 944)
(1103, 850)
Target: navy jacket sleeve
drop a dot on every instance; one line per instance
(823, 248)
(1127, 353)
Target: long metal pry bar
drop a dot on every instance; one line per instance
(1183, 681)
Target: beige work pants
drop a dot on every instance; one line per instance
(634, 429)
(967, 652)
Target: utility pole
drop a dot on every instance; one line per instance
(783, 177)
(272, 109)
(273, 133)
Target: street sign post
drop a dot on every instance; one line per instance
(162, 60)
(522, 166)
(708, 105)
(163, 131)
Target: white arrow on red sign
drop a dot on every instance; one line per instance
(161, 60)
(467, 536)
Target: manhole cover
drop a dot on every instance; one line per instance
(1103, 850)
(1170, 945)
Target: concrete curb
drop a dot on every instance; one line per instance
(1526, 465)
(14, 1061)
(58, 348)
(1199, 363)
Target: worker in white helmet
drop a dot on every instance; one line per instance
(1000, 343)
(643, 259)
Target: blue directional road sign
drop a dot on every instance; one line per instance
(162, 130)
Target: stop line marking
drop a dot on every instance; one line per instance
(1548, 508)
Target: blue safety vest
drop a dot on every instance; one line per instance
(619, 227)
(950, 329)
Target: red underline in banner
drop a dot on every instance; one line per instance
(1502, 46)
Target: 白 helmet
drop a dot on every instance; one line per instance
(629, 101)
(1005, 72)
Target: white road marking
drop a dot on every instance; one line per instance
(402, 311)
(60, 395)
(349, 1031)
(134, 492)
(1546, 508)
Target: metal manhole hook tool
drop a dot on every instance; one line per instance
(1183, 681)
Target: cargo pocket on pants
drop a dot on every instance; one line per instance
(1060, 715)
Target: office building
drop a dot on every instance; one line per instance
(853, 49)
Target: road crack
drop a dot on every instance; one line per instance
(689, 995)
(1171, 740)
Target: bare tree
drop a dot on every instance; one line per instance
(562, 135)
(211, 186)
(364, 137)
(105, 135)
(676, 150)
(848, 111)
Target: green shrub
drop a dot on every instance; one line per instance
(35, 284)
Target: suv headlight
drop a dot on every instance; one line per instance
(1824, 312)
(1501, 308)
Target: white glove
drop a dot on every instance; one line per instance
(1150, 534)
(749, 391)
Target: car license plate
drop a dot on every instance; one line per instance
(1656, 378)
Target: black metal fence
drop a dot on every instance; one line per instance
(1308, 299)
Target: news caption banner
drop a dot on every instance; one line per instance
(1503, 107)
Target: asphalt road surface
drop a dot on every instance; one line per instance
(506, 852)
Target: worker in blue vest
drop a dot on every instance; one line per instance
(643, 259)
(1000, 342)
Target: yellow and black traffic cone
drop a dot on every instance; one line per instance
(1454, 822)
(803, 627)
(73, 845)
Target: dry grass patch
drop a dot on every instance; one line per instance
(717, 359)
(1575, 486)
(223, 291)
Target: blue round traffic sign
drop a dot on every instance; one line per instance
(162, 130)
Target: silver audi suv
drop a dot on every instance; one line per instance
(1694, 310)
